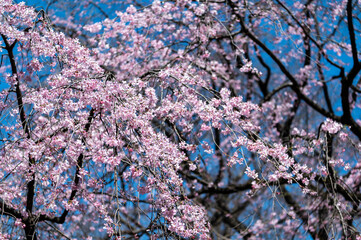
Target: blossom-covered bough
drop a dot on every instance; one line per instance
(180, 120)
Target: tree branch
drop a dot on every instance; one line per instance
(79, 166)
(9, 211)
(351, 31)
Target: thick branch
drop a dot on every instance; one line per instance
(79, 166)
(9, 211)
(351, 31)
(19, 96)
(23, 119)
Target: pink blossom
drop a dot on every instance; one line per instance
(331, 126)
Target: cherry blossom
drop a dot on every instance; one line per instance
(180, 120)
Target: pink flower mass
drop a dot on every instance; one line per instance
(180, 119)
